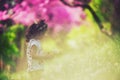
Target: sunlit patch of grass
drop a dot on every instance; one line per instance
(83, 54)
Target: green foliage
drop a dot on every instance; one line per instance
(9, 50)
(8, 45)
(3, 76)
(103, 8)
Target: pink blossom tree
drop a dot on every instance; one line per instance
(54, 12)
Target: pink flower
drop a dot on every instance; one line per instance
(54, 12)
(3, 15)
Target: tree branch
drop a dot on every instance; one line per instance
(86, 6)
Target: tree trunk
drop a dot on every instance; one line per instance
(116, 17)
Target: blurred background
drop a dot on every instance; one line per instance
(82, 41)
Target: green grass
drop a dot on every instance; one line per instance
(83, 54)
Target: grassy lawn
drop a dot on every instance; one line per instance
(83, 54)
